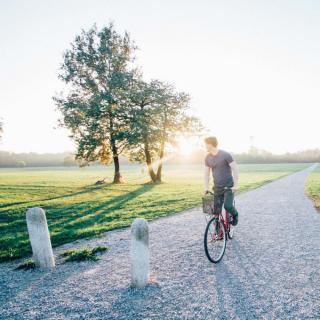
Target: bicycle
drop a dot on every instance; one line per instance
(218, 230)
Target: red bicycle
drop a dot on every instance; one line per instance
(218, 230)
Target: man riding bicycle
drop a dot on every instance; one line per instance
(225, 177)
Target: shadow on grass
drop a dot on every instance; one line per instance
(11, 204)
(70, 222)
(85, 190)
(79, 217)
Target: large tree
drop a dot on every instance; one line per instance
(97, 70)
(158, 114)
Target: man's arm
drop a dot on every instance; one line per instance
(235, 173)
(206, 178)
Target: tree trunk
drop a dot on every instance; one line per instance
(149, 163)
(161, 154)
(117, 176)
(159, 171)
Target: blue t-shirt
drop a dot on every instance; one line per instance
(221, 170)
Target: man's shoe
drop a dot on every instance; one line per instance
(234, 220)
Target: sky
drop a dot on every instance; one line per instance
(252, 68)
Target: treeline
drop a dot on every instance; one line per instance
(32, 159)
(67, 159)
(20, 160)
(256, 156)
(261, 156)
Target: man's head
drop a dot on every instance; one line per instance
(211, 143)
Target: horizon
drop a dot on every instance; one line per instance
(252, 69)
(177, 153)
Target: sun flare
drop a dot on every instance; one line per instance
(185, 147)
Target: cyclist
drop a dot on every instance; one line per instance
(225, 177)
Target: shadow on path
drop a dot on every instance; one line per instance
(232, 295)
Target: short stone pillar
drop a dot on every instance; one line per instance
(139, 253)
(40, 238)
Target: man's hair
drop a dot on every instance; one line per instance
(211, 140)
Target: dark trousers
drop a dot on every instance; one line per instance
(224, 197)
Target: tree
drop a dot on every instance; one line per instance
(97, 69)
(158, 114)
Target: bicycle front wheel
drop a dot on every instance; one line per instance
(215, 240)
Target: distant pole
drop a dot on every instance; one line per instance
(139, 253)
(40, 238)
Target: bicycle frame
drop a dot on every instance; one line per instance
(222, 216)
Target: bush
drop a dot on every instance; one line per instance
(28, 264)
(83, 254)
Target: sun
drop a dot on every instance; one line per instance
(185, 147)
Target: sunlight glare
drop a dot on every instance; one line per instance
(185, 146)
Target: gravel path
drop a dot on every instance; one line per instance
(270, 269)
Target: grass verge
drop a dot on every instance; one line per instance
(313, 187)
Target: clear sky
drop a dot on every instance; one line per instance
(251, 67)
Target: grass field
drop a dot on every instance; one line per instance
(75, 208)
(313, 186)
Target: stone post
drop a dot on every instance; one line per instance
(40, 238)
(139, 253)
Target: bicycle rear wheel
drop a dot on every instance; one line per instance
(215, 240)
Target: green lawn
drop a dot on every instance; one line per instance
(75, 208)
(313, 186)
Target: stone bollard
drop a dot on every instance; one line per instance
(40, 238)
(139, 253)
